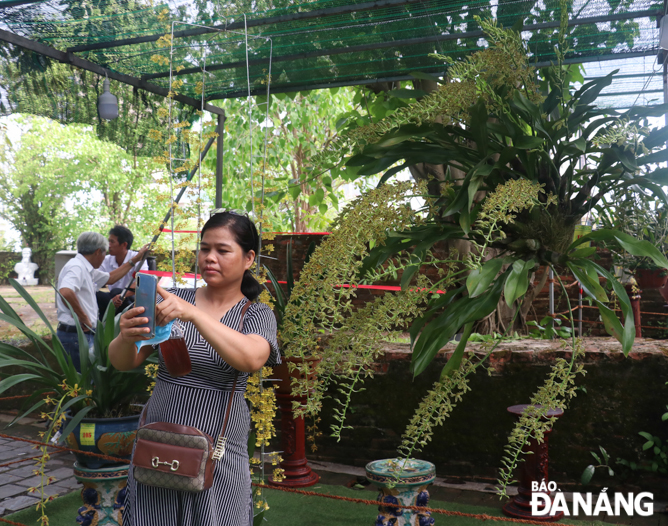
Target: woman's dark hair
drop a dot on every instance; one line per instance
(123, 234)
(245, 234)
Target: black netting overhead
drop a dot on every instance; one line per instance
(311, 45)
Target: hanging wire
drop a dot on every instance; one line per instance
(264, 163)
(250, 122)
(171, 173)
(199, 170)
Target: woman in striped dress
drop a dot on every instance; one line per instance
(210, 317)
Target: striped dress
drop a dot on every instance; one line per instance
(199, 399)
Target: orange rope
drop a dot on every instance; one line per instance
(61, 448)
(481, 516)
(22, 396)
(26, 459)
(290, 490)
(11, 522)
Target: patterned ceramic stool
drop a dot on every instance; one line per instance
(103, 494)
(405, 483)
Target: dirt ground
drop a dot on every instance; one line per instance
(44, 296)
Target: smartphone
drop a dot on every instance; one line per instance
(145, 295)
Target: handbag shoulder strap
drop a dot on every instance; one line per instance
(220, 443)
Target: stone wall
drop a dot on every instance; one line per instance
(616, 399)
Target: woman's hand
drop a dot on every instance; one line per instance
(173, 307)
(130, 332)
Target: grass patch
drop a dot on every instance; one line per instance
(290, 509)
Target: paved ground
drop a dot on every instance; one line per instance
(16, 478)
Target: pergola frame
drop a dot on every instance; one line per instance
(69, 57)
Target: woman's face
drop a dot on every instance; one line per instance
(221, 259)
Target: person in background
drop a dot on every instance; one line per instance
(120, 243)
(78, 281)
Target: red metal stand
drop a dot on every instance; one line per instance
(533, 469)
(298, 473)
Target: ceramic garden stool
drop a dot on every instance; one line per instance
(411, 490)
(103, 494)
(533, 469)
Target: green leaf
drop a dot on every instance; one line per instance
(441, 329)
(71, 424)
(518, 280)
(612, 324)
(456, 359)
(583, 252)
(589, 284)
(407, 93)
(39, 404)
(587, 474)
(408, 274)
(527, 142)
(17, 379)
(479, 279)
(606, 457)
(632, 245)
(425, 76)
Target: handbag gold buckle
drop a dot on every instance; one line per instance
(219, 450)
(173, 465)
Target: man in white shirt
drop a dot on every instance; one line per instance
(120, 242)
(77, 283)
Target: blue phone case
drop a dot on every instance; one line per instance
(145, 295)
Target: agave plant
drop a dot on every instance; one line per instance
(103, 389)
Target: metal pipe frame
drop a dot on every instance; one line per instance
(14, 3)
(359, 82)
(69, 58)
(317, 13)
(414, 41)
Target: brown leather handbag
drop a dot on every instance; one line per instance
(179, 457)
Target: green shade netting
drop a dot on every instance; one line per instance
(353, 46)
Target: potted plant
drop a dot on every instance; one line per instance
(514, 159)
(645, 217)
(102, 391)
(94, 409)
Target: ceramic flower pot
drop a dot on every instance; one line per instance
(105, 436)
(651, 278)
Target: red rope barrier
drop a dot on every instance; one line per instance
(28, 458)
(480, 516)
(7, 521)
(280, 233)
(62, 448)
(21, 396)
(289, 490)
